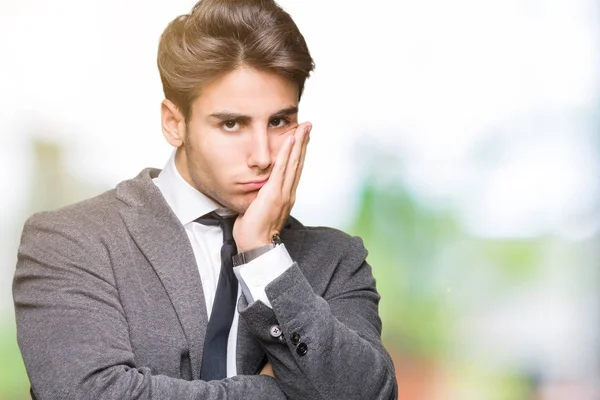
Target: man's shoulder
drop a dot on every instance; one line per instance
(102, 209)
(325, 236)
(83, 222)
(325, 254)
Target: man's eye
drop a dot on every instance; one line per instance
(279, 122)
(230, 125)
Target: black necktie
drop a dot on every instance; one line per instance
(214, 357)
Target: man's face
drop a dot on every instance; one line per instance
(238, 124)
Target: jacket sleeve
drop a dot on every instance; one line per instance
(332, 343)
(73, 333)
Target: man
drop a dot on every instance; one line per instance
(194, 282)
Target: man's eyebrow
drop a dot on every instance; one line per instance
(285, 112)
(231, 116)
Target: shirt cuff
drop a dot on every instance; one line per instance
(258, 273)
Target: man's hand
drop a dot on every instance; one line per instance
(268, 370)
(268, 212)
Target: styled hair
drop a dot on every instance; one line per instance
(218, 36)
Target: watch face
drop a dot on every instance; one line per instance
(276, 239)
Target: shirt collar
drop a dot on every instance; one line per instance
(186, 202)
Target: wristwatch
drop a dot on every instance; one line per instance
(247, 256)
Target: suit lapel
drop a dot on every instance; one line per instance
(163, 241)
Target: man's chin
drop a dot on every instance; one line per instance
(241, 203)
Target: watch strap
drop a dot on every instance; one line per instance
(246, 257)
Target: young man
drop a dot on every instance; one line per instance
(194, 282)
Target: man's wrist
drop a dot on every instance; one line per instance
(247, 256)
(247, 247)
(244, 257)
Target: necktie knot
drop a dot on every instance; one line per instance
(225, 223)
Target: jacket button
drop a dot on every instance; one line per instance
(295, 338)
(302, 349)
(275, 331)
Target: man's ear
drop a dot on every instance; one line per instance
(173, 123)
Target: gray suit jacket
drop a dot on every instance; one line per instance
(109, 305)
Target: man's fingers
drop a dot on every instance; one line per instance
(278, 173)
(301, 164)
(268, 370)
(295, 161)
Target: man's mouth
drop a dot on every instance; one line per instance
(254, 185)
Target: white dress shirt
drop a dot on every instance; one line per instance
(188, 204)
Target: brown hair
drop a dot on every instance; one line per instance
(218, 36)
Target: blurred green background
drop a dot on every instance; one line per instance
(460, 140)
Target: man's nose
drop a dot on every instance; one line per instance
(259, 151)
